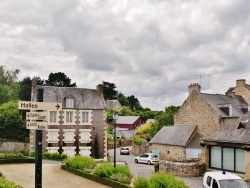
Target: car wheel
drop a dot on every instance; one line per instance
(149, 163)
(136, 161)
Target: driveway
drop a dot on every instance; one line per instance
(52, 176)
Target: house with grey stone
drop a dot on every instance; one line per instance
(113, 105)
(228, 148)
(80, 127)
(200, 115)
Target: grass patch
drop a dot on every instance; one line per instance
(80, 162)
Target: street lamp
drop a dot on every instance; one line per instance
(115, 117)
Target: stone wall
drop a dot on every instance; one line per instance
(12, 147)
(188, 169)
(140, 149)
(242, 90)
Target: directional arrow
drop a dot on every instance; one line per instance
(57, 106)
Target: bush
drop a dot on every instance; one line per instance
(141, 182)
(163, 180)
(32, 154)
(137, 140)
(7, 184)
(54, 156)
(10, 155)
(80, 162)
(24, 152)
(119, 173)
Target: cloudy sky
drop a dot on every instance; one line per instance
(152, 49)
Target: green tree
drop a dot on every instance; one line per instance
(25, 88)
(126, 111)
(59, 79)
(9, 88)
(122, 99)
(12, 125)
(164, 119)
(109, 91)
(134, 103)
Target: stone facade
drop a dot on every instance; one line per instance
(168, 152)
(189, 169)
(13, 147)
(242, 90)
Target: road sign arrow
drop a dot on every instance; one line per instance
(57, 106)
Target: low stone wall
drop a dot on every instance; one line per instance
(188, 169)
(12, 147)
(140, 149)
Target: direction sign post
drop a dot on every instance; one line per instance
(28, 105)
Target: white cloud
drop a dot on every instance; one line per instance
(150, 49)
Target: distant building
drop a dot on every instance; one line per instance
(80, 127)
(114, 105)
(129, 122)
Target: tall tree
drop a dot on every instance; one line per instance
(12, 126)
(59, 79)
(122, 99)
(134, 103)
(109, 91)
(9, 88)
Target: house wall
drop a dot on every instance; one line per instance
(168, 152)
(196, 111)
(241, 89)
(116, 105)
(247, 164)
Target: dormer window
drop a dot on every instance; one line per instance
(69, 103)
(226, 108)
(244, 108)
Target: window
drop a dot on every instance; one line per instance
(52, 116)
(209, 179)
(85, 151)
(85, 117)
(69, 103)
(69, 136)
(226, 108)
(53, 136)
(69, 117)
(226, 158)
(85, 135)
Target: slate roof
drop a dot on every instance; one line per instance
(177, 135)
(218, 99)
(237, 132)
(126, 119)
(84, 98)
(127, 134)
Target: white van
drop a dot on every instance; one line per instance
(222, 179)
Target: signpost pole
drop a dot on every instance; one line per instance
(39, 147)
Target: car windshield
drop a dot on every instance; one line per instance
(154, 156)
(233, 184)
(124, 149)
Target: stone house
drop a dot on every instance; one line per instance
(114, 105)
(79, 128)
(228, 148)
(207, 113)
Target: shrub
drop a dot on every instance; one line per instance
(32, 154)
(163, 180)
(137, 140)
(80, 162)
(24, 152)
(10, 155)
(54, 156)
(119, 173)
(1, 174)
(141, 182)
(7, 184)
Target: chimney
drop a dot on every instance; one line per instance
(194, 87)
(99, 89)
(241, 82)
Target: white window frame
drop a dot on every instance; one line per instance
(55, 137)
(70, 103)
(69, 135)
(85, 135)
(69, 151)
(69, 119)
(85, 151)
(82, 113)
(53, 117)
(52, 149)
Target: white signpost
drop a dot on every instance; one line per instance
(36, 120)
(28, 105)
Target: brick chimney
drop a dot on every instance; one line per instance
(241, 82)
(194, 87)
(99, 89)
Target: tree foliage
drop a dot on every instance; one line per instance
(9, 88)
(12, 125)
(109, 91)
(59, 79)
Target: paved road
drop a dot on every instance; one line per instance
(52, 176)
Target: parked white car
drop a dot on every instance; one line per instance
(148, 158)
(222, 179)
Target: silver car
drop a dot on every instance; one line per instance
(147, 158)
(124, 151)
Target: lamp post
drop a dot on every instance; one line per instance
(115, 117)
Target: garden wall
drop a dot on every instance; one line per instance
(188, 169)
(140, 149)
(12, 147)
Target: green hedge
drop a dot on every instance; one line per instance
(95, 178)
(17, 160)
(8, 184)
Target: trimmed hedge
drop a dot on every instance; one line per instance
(95, 178)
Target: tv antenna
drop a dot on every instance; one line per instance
(200, 76)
